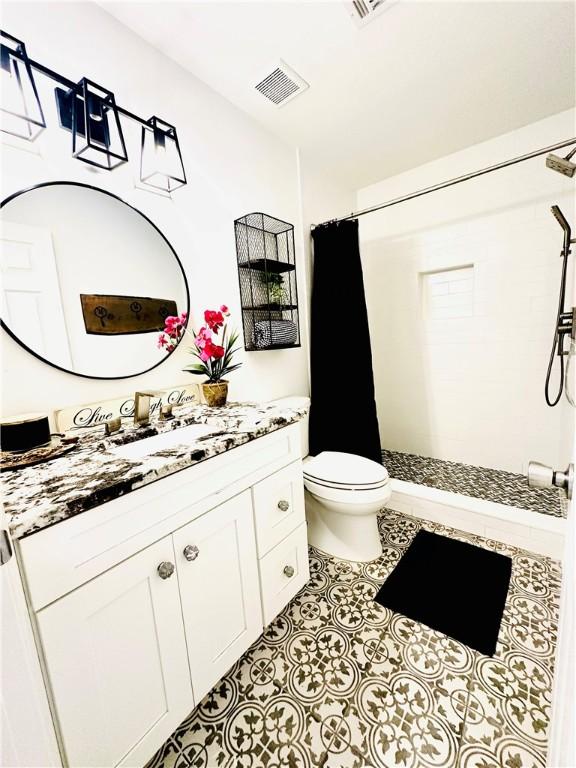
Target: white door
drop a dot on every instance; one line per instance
(219, 589)
(562, 751)
(31, 299)
(117, 662)
(27, 736)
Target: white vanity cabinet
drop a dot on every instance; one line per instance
(142, 604)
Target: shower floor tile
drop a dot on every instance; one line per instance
(479, 482)
(342, 682)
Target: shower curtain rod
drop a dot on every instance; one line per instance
(450, 182)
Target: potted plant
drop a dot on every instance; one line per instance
(215, 359)
(274, 283)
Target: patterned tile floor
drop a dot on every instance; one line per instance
(490, 484)
(341, 682)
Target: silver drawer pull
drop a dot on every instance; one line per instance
(165, 570)
(191, 552)
(284, 505)
(289, 571)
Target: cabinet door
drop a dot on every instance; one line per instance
(116, 659)
(218, 576)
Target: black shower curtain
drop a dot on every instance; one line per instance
(343, 411)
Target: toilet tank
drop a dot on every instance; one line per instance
(295, 401)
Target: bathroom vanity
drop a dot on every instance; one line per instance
(162, 569)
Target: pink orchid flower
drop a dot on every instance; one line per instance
(204, 337)
(214, 320)
(211, 350)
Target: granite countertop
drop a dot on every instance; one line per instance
(40, 496)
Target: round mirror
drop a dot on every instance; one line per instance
(87, 280)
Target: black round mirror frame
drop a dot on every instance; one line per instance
(162, 235)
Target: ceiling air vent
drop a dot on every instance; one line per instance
(282, 84)
(364, 11)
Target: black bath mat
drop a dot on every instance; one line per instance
(451, 586)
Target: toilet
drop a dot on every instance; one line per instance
(344, 494)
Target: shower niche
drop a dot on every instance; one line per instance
(267, 278)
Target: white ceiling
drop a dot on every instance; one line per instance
(422, 80)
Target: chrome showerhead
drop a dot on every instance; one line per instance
(561, 219)
(562, 164)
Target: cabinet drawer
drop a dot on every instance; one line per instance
(278, 506)
(278, 587)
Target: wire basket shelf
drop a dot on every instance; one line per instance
(267, 278)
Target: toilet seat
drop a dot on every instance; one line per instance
(348, 496)
(335, 475)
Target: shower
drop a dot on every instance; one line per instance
(565, 321)
(562, 164)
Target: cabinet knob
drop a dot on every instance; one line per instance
(165, 570)
(288, 571)
(191, 552)
(284, 505)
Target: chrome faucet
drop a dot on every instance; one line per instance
(142, 406)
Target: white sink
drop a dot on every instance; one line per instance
(166, 440)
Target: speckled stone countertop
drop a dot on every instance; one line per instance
(40, 496)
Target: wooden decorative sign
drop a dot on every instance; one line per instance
(96, 414)
(113, 315)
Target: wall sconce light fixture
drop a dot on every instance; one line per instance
(161, 161)
(91, 114)
(21, 110)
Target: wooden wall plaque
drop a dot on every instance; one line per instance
(114, 315)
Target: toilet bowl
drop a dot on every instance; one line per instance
(344, 494)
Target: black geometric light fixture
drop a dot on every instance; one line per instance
(21, 110)
(161, 160)
(91, 114)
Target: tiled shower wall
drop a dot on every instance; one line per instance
(462, 289)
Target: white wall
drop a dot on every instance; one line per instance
(233, 166)
(470, 388)
(322, 198)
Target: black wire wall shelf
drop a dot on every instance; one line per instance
(267, 279)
